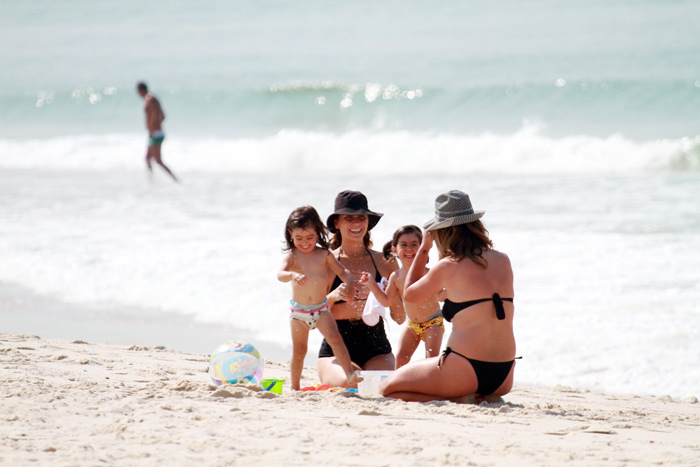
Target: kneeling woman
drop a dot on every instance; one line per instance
(368, 346)
(478, 284)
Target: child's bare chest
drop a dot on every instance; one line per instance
(311, 265)
(400, 280)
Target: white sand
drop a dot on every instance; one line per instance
(75, 403)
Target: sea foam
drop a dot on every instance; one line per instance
(528, 151)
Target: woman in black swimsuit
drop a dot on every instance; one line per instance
(368, 346)
(478, 284)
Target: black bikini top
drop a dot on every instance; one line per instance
(450, 309)
(337, 281)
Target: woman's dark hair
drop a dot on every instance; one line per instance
(464, 241)
(336, 239)
(406, 229)
(305, 217)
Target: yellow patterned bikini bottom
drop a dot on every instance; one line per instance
(420, 328)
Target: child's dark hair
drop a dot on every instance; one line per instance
(406, 229)
(305, 217)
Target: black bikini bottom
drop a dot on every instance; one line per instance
(489, 375)
(363, 342)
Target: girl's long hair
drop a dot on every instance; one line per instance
(464, 241)
(305, 217)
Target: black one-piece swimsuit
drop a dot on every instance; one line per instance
(364, 342)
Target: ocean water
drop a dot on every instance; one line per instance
(575, 126)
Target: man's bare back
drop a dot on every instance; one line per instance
(154, 113)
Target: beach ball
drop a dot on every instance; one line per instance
(236, 362)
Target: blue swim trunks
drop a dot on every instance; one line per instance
(156, 137)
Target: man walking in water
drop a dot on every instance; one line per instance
(154, 119)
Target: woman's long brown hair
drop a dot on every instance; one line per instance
(464, 241)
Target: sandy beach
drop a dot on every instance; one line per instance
(78, 403)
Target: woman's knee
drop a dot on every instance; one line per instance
(330, 372)
(384, 362)
(336, 381)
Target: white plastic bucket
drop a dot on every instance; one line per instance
(370, 384)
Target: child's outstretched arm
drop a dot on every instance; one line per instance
(386, 298)
(285, 274)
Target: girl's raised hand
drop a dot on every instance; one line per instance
(365, 277)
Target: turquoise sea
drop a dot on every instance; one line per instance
(576, 126)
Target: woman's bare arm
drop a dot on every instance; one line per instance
(419, 286)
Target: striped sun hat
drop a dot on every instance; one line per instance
(452, 208)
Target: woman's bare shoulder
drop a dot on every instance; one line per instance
(376, 255)
(499, 262)
(495, 255)
(384, 264)
(442, 266)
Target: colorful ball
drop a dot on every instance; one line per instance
(235, 362)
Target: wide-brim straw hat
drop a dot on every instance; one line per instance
(452, 208)
(352, 203)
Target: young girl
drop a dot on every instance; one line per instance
(424, 321)
(308, 264)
